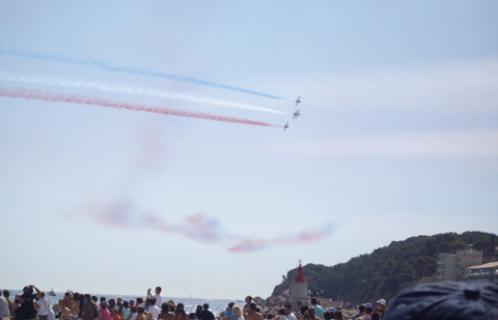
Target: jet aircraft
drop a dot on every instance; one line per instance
(296, 113)
(298, 100)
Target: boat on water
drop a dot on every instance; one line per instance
(51, 293)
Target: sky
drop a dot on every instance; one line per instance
(398, 137)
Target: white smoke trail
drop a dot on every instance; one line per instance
(119, 88)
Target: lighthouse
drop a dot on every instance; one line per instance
(299, 289)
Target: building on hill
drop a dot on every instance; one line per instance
(298, 295)
(446, 267)
(487, 271)
(468, 257)
(450, 267)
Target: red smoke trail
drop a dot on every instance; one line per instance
(51, 97)
(198, 227)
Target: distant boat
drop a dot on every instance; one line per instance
(51, 293)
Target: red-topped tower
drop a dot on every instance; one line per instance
(299, 277)
(299, 288)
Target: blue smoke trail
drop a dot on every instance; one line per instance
(132, 70)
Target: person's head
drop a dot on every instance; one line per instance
(27, 290)
(237, 312)
(338, 315)
(380, 306)
(6, 293)
(331, 310)
(119, 301)
(253, 307)
(104, 305)
(95, 299)
(191, 316)
(361, 308)
(314, 301)
(40, 295)
(158, 290)
(303, 310)
(269, 316)
(165, 307)
(180, 308)
(76, 296)
(230, 306)
(102, 299)
(152, 301)
(126, 304)
(205, 306)
(140, 300)
(248, 299)
(327, 315)
(112, 303)
(172, 306)
(198, 309)
(282, 312)
(140, 309)
(382, 302)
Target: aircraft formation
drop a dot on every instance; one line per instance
(296, 114)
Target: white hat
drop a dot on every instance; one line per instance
(382, 302)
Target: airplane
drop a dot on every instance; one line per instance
(298, 100)
(286, 126)
(296, 113)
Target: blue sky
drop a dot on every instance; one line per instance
(398, 137)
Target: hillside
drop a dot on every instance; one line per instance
(386, 270)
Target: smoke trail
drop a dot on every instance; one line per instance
(132, 70)
(125, 216)
(197, 227)
(304, 236)
(50, 97)
(114, 88)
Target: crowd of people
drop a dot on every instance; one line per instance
(32, 304)
(315, 311)
(441, 301)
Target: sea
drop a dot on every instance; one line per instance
(215, 305)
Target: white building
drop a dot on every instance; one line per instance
(450, 267)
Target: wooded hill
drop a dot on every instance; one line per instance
(387, 270)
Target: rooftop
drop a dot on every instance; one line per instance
(489, 265)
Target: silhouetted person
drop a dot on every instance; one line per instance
(446, 301)
(27, 308)
(206, 314)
